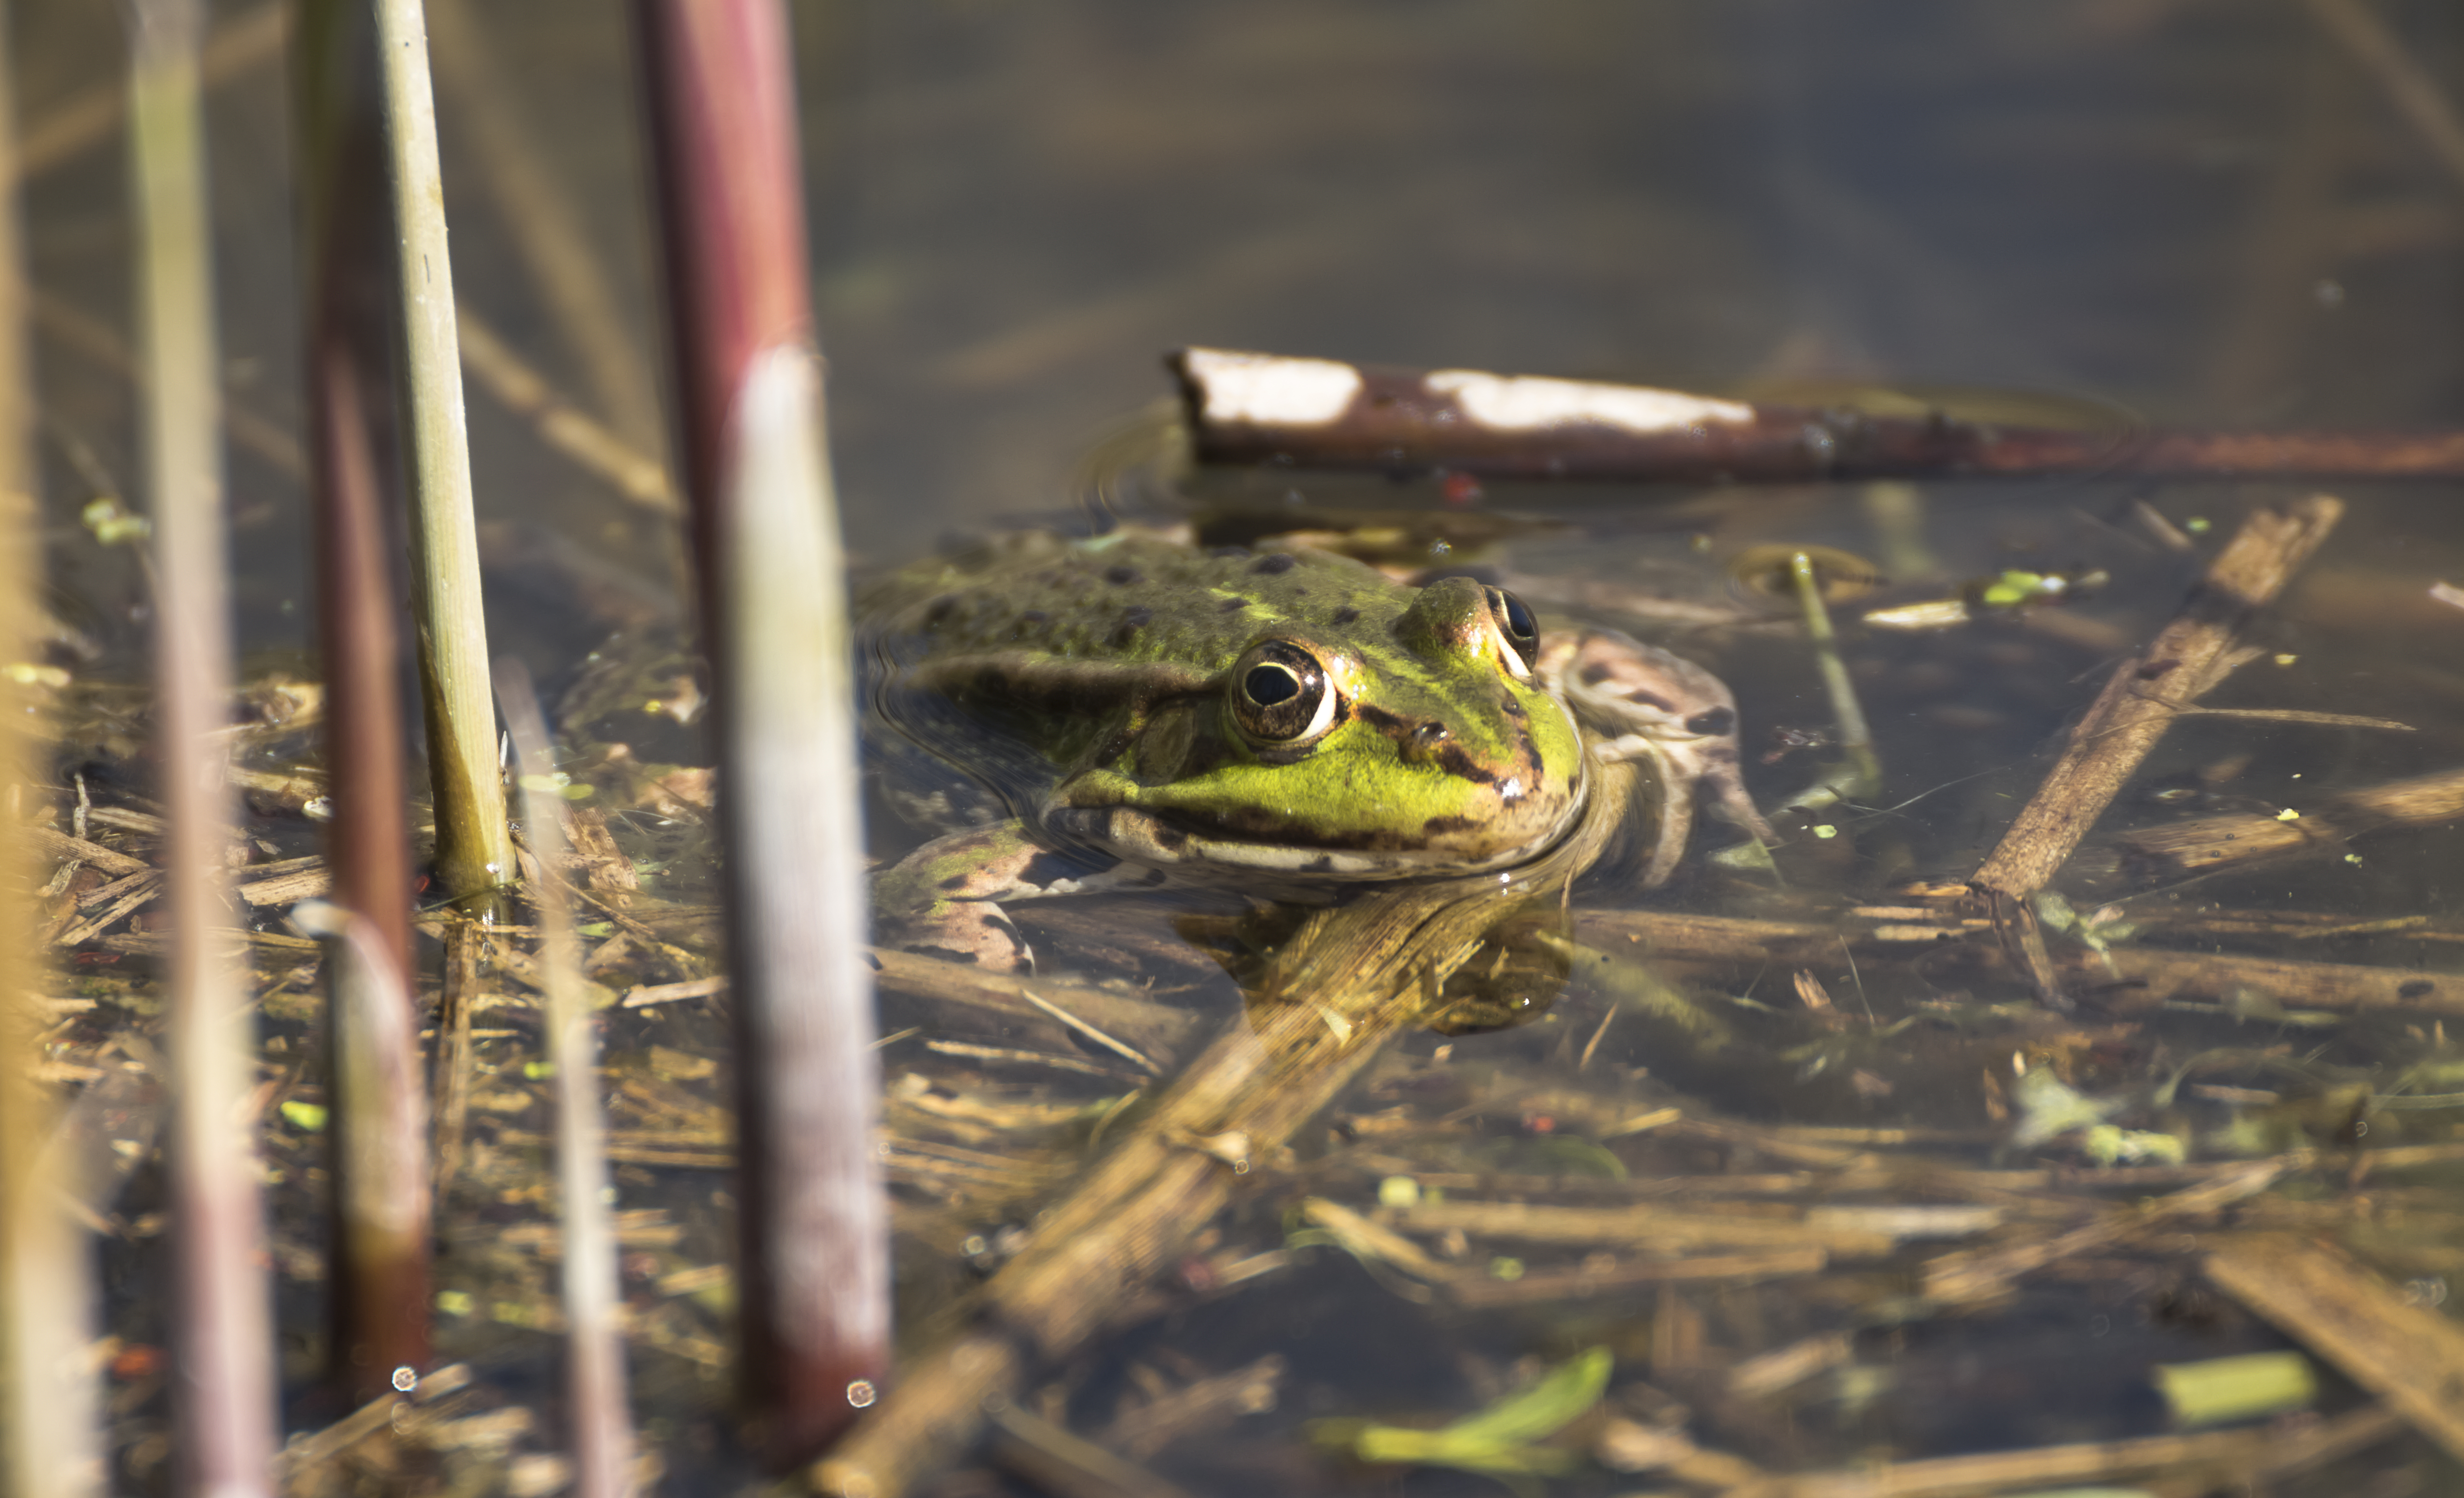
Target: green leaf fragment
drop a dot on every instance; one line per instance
(306, 1117)
(112, 525)
(1498, 1441)
(2224, 1389)
(2013, 589)
(2108, 1144)
(2049, 1108)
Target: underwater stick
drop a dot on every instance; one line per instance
(601, 1426)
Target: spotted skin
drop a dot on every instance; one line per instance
(1098, 691)
(1645, 702)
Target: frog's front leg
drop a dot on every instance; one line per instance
(1643, 702)
(945, 898)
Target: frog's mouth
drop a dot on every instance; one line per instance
(1141, 836)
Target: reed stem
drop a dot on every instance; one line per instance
(47, 1400)
(222, 1329)
(473, 853)
(379, 1147)
(815, 1279)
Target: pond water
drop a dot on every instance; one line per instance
(2171, 211)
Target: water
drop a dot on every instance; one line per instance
(2195, 214)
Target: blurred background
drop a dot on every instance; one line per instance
(2193, 210)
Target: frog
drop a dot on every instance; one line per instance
(1132, 711)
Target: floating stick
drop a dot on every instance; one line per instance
(1252, 408)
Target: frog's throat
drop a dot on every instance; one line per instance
(1143, 837)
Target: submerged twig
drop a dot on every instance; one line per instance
(2249, 1454)
(1982, 1274)
(64, 324)
(2407, 1354)
(1860, 776)
(2186, 658)
(2411, 87)
(2203, 845)
(1054, 1460)
(543, 221)
(243, 43)
(457, 994)
(1257, 408)
(590, 444)
(1334, 993)
(2124, 976)
(602, 1429)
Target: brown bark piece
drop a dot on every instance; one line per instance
(2339, 1308)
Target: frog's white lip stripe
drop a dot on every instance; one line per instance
(1140, 837)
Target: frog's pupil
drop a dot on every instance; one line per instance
(1518, 619)
(1268, 685)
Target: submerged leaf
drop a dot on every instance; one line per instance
(2223, 1389)
(1498, 1440)
(2049, 1107)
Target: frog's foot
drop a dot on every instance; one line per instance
(1643, 702)
(979, 932)
(945, 898)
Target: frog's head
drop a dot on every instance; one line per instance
(1421, 743)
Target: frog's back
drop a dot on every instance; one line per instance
(1131, 599)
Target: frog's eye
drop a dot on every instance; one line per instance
(1280, 694)
(1522, 632)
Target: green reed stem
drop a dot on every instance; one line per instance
(473, 853)
(1861, 774)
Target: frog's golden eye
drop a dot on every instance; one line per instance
(1280, 694)
(1522, 632)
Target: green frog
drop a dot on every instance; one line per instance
(1134, 711)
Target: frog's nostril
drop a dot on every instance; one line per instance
(1421, 745)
